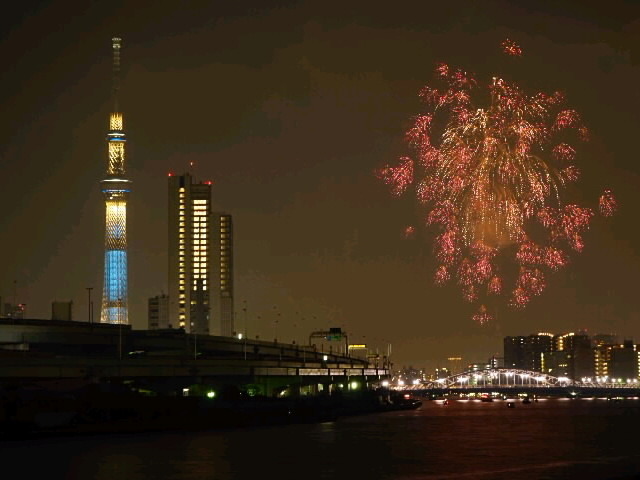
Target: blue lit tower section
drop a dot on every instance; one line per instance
(115, 188)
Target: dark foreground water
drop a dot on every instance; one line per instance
(553, 439)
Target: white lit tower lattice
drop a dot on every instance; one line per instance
(115, 188)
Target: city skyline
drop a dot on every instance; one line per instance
(290, 127)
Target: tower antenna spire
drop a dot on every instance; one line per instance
(115, 188)
(116, 43)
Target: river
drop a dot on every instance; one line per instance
(550, 439)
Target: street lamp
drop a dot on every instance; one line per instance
(89, 305)
(244, 310)
(275, 324)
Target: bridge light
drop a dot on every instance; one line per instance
(441, 380)
(401, 382)
(416, 382)
(385, 383)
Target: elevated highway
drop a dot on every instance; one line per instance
(170, 360)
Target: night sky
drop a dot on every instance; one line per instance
(289, 109)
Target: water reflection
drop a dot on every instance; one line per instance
(587, 439)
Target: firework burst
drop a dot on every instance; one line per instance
(491, 167)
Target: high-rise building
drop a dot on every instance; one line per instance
(189, 254)
(115, 188)
(158, 312)
(556, 363)
(605, 339)
(624, 362)
(455, 364)
(496, 362)
(223, 272)
(536, 346)
(527, 352)
(602, 359)
(579, 354)
(514, 351)
(62, 310)
(200, 260)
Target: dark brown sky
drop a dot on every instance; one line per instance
(289, 109)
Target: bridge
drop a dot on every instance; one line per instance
(513, 381)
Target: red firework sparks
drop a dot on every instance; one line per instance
(482, 317)
(409, 231)
(511, 48)
(608, 204)
(398, 177)
(488, 183)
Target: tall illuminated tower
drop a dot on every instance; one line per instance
(200, 260)
(222, 236)
(190, 254)
(115, 188)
